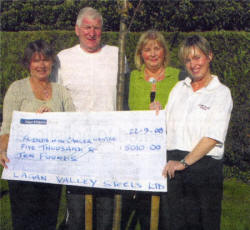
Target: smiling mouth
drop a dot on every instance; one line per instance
(91, 39)
(42, 71)
(195, 71)
(154, 60)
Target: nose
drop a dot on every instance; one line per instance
(42, 63)
(92, 31)
(152, 53)
(192, 63)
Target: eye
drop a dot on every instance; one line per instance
(85, 27)
(196, 57)
(35, 60)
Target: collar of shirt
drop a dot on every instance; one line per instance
(89, 54)
(213, 84)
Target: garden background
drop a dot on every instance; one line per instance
(225, 23)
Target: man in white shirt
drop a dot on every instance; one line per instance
(89, 71)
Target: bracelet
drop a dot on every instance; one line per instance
(184, 163)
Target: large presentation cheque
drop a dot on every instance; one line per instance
(114, 150)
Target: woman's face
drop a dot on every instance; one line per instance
(40, 66)
(153, 55)
(197, 64)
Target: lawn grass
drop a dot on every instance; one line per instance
(235, 206)
(5, 216)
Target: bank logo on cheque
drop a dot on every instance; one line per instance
(33, 121)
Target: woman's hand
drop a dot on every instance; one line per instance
(171, 167)
(4, 140)
(43, 109)
(4, 159)
(155, 105)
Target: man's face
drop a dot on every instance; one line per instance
(89, 34)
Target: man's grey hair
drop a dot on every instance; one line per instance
(88, 12)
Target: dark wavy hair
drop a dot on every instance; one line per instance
(38, 46)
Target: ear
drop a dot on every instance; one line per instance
(210, 56)
(77, 30)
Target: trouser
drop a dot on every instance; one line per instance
(34, 206)
(103, 208)
(138, 203)
(193, 200)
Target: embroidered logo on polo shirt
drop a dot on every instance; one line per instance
(204, 107)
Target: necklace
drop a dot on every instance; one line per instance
(154, 77)
(42, 90)
(46, 91)
(196, 85)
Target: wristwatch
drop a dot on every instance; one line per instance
(184, 163)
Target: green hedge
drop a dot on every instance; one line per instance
(167, 15)
(231, 64)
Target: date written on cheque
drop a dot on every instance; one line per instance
(145, 131)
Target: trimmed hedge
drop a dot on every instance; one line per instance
(167, 15)
(230, 63)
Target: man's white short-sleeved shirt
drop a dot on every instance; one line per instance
(90, 77)
(191, 115)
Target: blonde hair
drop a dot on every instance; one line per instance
(88, 12)
(194, 41)
(143, 40)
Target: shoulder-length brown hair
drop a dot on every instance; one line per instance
(38, 46)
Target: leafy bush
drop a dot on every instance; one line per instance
(167, 15)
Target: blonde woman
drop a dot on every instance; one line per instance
(197, 118)
(150, 85)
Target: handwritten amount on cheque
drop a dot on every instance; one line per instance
(71, 149)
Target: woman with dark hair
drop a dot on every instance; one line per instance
(197, 118)
(33, 205)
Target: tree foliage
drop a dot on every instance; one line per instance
(163, 15)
